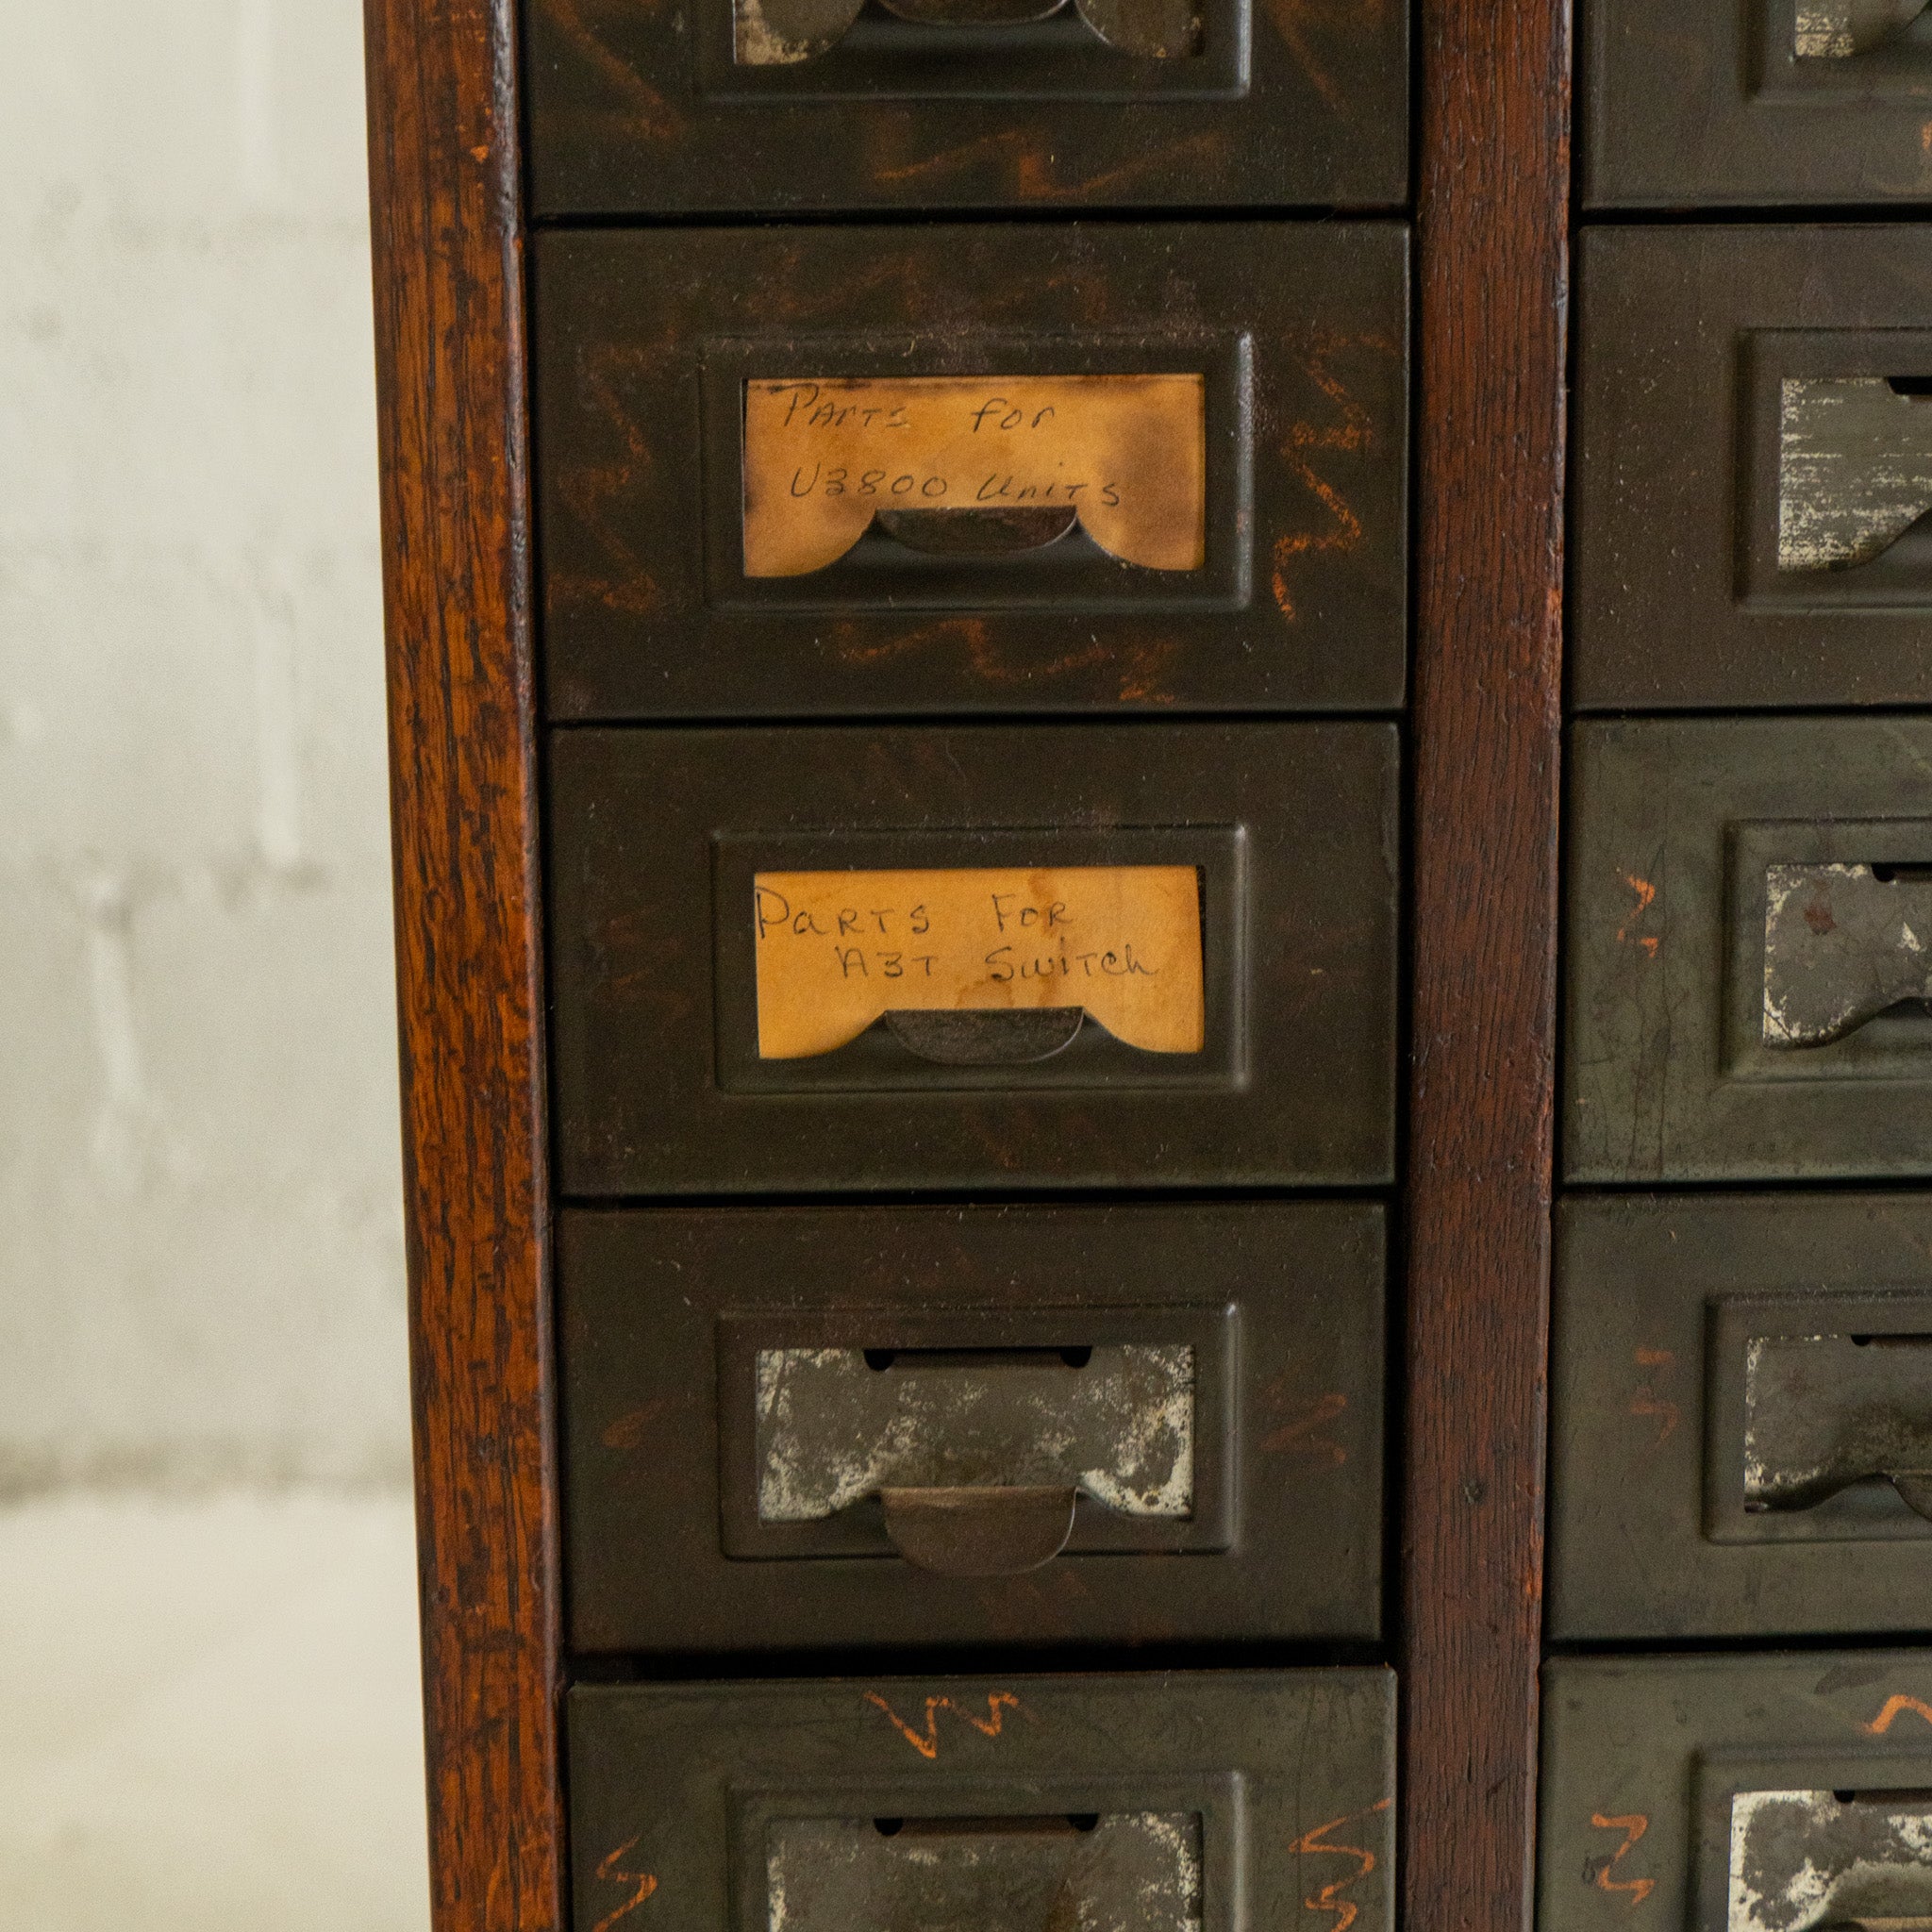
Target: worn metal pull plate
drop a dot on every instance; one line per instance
(1854, 474)
(1825, 1411)
(978, 1457)
(1842, 944)
(979, 966)
(1119, 1871)
(782, 33)
(1829, 1861)
(975, 466)
(1837, 29)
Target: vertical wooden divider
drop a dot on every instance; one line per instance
(445, 184)
(1493, 226)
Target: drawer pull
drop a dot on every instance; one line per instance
(989, 1037)
(984, 532)
(1823, 1412)
(1838, 29)
(977, 1459)
(990, 1532)
(782, 33)
(1842, 945)
(1855, 474)
(1116, 1871)
(1831, 1861)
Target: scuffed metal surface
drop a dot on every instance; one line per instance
(833, 1430)
(1149, 29)
(1855, 470)
(781, 33)
(1803, 1861)
(1837, 30)
(1825, 1411)
(1130, 1872)
(1842, 943)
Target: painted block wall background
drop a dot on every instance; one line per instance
(208, 1700)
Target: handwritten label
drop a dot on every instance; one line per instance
(837, 949)
(822, 454)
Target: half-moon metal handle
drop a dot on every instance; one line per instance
(989, 1037)
(979, 1532)
(983, 530)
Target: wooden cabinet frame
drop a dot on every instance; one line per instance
(1492, 214)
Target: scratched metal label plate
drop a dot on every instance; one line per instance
(1804, 1860)
(1119, 1871)
(1116, 1423)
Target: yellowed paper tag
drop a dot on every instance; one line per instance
(837, 949)
(1128, 453)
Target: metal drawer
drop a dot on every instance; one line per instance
(1773, 102)
(1741, 1417)
(1193, 926)
(808, 1429)
(965, 469)
(753, 106)
(1736, 1794)
(1120, 1804)
(1753, 491)
(1746, 1000)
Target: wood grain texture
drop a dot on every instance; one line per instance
(1492, 226)
(448, 249)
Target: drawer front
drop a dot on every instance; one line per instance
(1111, 1802)
(1736, 1794)
(808, 1429)
(1746, 993)
(1771, 101)
(1079, 956)
(854, 471)
(1753, 508)
(764, 105)
(1741, 1417)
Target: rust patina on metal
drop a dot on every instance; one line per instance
(1842, 944)
(1825, 1411)
(1118, 1872)
(1831, 1861)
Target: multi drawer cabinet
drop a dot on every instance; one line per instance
(1742, 1362)
(1124, 1212)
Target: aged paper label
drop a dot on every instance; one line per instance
(837, 949)
(1128, 453)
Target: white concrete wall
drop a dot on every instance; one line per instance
(205, 1571)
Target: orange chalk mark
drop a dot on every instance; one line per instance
(646, 1883)
(1895, 1708)
(1353, 433)
(927, 1742)
(1655, 1357)
(1330, 1898)
(1646, 898)
(1633, 1826)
